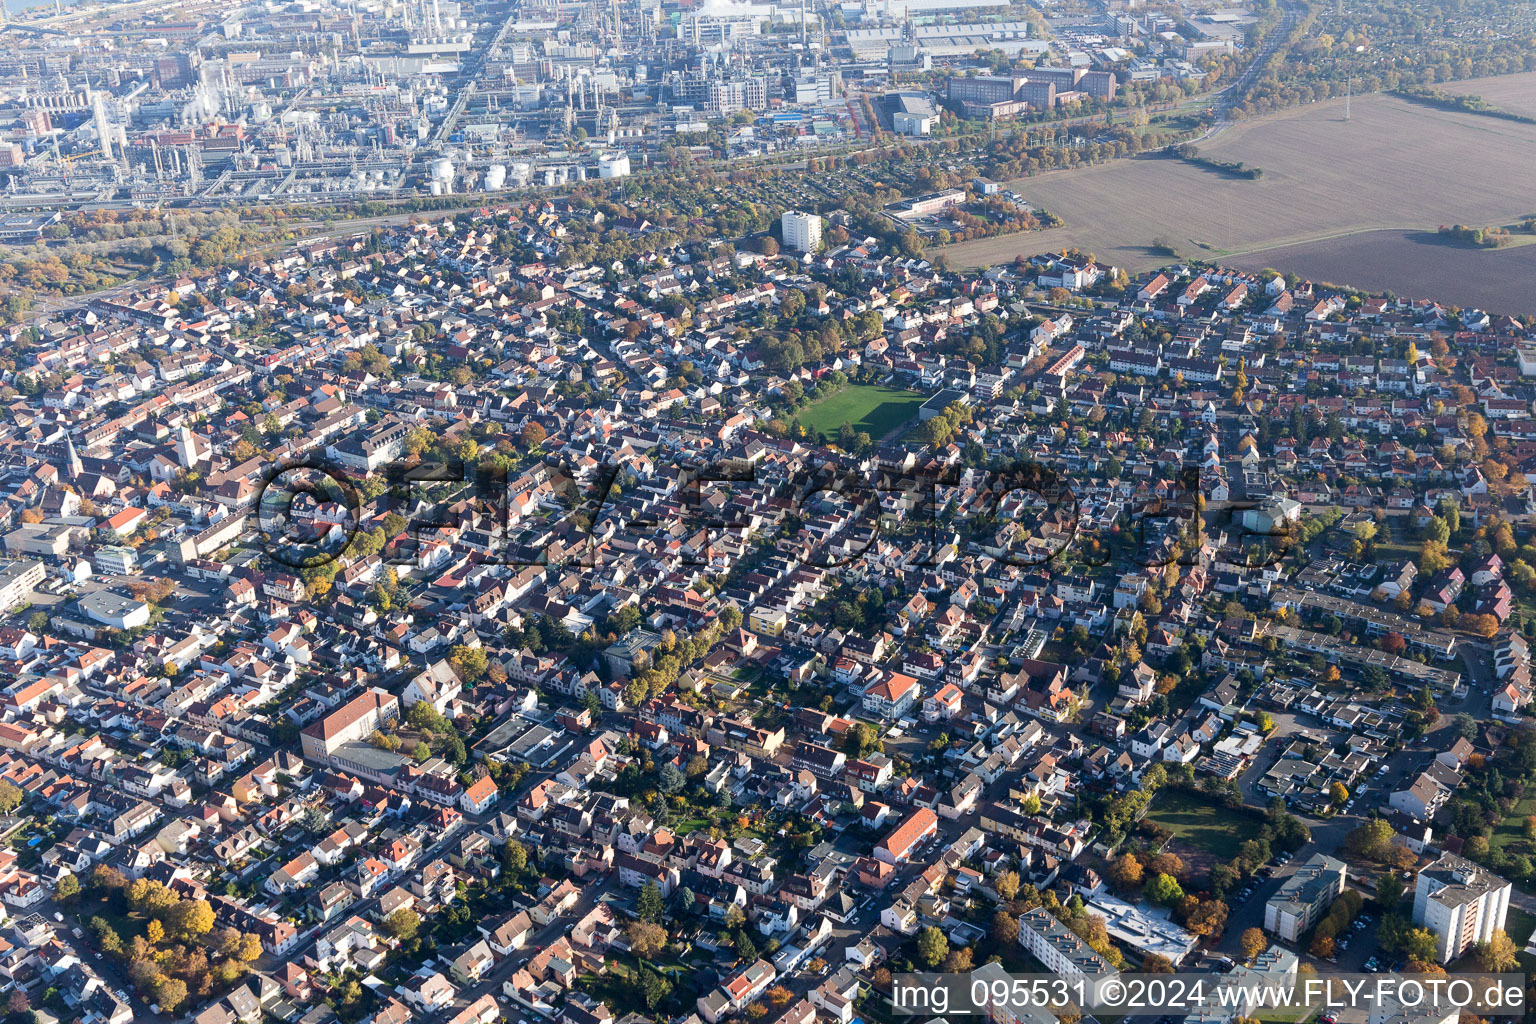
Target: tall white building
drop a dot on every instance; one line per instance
(802, 231)
(1461, 903)
(1063, 952)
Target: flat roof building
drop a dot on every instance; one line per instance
(1462, 903)
(1305, 896)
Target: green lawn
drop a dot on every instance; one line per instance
(1161, 126)
(1201, 823)
(1511, 831)
(1519, 925)
(1269, 1015)
(873, 408)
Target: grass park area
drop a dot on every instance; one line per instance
(1199, 823)
(873, 408)
(1510, 835)
(1519, 925)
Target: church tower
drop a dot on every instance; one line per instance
(186, 448)
(76, 468)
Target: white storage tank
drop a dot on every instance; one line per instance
(613, 165)
(442, 176)
(495, 177)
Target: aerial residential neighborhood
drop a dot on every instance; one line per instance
(746, 743)
(726, 513)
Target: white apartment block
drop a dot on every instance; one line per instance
(1305, 896)
(802, 231)
(17, 581)
(1061, 951)
(1461, 903)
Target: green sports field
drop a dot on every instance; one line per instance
(874, 408)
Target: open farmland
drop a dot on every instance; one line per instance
(1392, 165)
(1415, 264)
(1514, 93)
(873, 408)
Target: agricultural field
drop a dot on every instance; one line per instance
(1324, 179)
(873, 408)
(1413, 263)
(1514, 93)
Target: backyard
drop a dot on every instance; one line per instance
(873, 408)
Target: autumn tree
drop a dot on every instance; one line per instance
(1207, 918)
(1497, 954)
(932, 947)
(646, 938)
(1481, 625)
(1418, 944)
(469, 662)
(1125, 872)
(170, 993)
(958, 961)
(403, 924)
(1163, 889)
(191, 918)
(1252, 943)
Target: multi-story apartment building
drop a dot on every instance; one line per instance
(1305, 896)
(1463, 904)
(893, 696)
(1061, 951)
(802, 231)
(17, 581)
